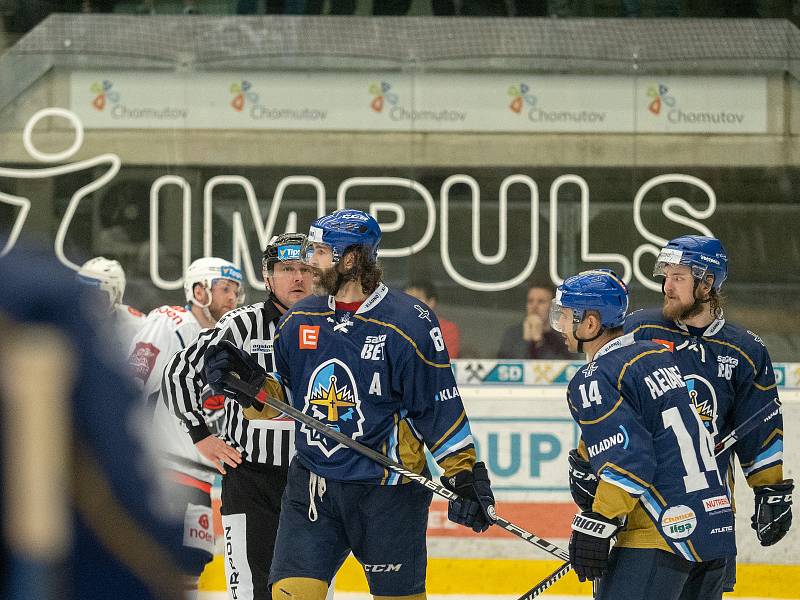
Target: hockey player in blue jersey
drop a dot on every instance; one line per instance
(659, 489)
(371, 363)
(728, 372)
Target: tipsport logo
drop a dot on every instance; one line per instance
(381, 95)
(242, 94)
(103, 94)
(659, 96)
(520, 97)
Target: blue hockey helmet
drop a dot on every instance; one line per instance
(702, 254)
(600, 290)
(342, 230)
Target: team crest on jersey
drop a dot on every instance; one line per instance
(143, 360)
(332, 398)
(704, 399)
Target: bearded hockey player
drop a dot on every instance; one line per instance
(362, 359)
(728, 372)
(659, 489)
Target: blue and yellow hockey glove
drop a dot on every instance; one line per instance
(475, 507)
(590, 544)
(225, 360)
(773, 511)
(582, 481)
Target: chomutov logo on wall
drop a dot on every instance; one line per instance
(522, 101)
(661, 102)
(520, 97)
(246, 101)
(381, 96)
(105, 96)
(103, 93)
(384, 98)
(242, 94)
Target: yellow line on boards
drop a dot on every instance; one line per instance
(514, 577)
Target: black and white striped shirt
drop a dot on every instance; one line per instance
(252, 328)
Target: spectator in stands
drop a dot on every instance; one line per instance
(425, 290)
(533, 338)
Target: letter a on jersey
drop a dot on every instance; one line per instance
(332, 398)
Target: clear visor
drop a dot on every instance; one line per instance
(667, 269)
(558, 316)
(240, 293)
(312, 253)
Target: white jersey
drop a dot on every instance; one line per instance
(166, 330)
(127, 322)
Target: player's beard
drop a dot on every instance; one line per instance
(674, 310)
(327, 281)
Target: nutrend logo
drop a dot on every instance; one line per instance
(103, 93)
(381, 95)
(520, 97)
(660, 95)
(241, 94)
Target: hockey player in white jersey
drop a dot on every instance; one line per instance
(107, 278)
(212, 287)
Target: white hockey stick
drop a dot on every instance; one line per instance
(729, 440)
(236, 385)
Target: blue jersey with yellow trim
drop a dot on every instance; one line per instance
(650, 451)
(380, 375)
(730, 378)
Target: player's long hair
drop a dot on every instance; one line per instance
(715, 303)
(364, 270)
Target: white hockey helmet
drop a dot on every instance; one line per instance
(105, 275)
(207, 270)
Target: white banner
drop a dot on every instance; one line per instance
(425, 102)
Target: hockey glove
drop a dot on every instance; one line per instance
(582, 481)
(773, 511)
(475, 506)
(590, 544)
(225, 360)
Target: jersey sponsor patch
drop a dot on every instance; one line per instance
(198, 529)
(143, 359)
(619, 438)
(332, 398)
(678, 522)
(716, 503)
(309, 336)
(261, 346)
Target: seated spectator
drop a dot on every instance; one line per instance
(533, 338)
(425, 290)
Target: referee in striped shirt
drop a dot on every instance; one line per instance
(257, 452)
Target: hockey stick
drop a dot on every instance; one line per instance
(236, 385)
(729, 440)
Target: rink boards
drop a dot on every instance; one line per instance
(523, 431)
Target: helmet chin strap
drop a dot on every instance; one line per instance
(274, 299)
(582, 340)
